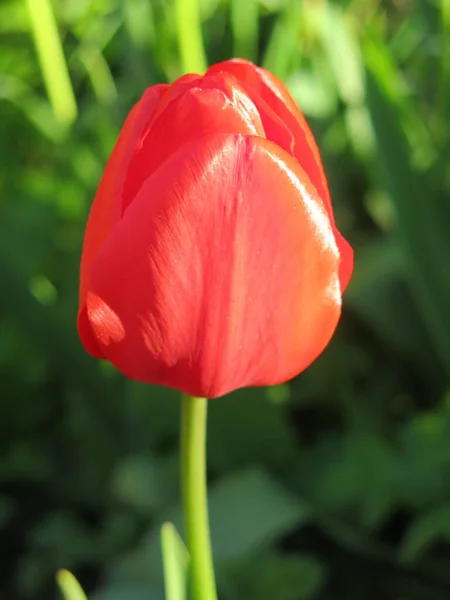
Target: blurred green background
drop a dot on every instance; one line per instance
(333, 487)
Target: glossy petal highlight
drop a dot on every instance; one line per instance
(272, 97)
(222, 272)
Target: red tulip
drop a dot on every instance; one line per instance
(211, 258)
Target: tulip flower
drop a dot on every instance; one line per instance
(211, 258)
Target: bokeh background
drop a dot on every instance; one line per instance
(333, 487)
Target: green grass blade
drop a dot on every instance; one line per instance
(190, 37)
(282, 44)
(139, 22)
(420, 222)
(175, 561)
(342, 51)
(445, 30)
(69, 586)
(445, 71)
(51, 59)
(99, 73)
(244, 24)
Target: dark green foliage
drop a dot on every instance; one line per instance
(333, 487)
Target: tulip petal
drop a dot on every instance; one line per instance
(106, 208)
(221, 274)
(275, 98)
(194, 106)
(259, 82)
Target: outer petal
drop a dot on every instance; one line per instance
(222, 273)
(193, 107)
(274, 94)
(259, 82)
(106, 209)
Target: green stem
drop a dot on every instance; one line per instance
(52, 61)
(195, 504)
(445, 58)
(69, 586)
(190, 38)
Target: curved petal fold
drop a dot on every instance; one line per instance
(271, 96)
(194, 107)
(230, 268)
(106, 208)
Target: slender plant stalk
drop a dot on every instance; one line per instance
(175, 561)
(445, 58)
(69, 586)
(244, 25)
(52, 61)
(195, 503)
(190, 38)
